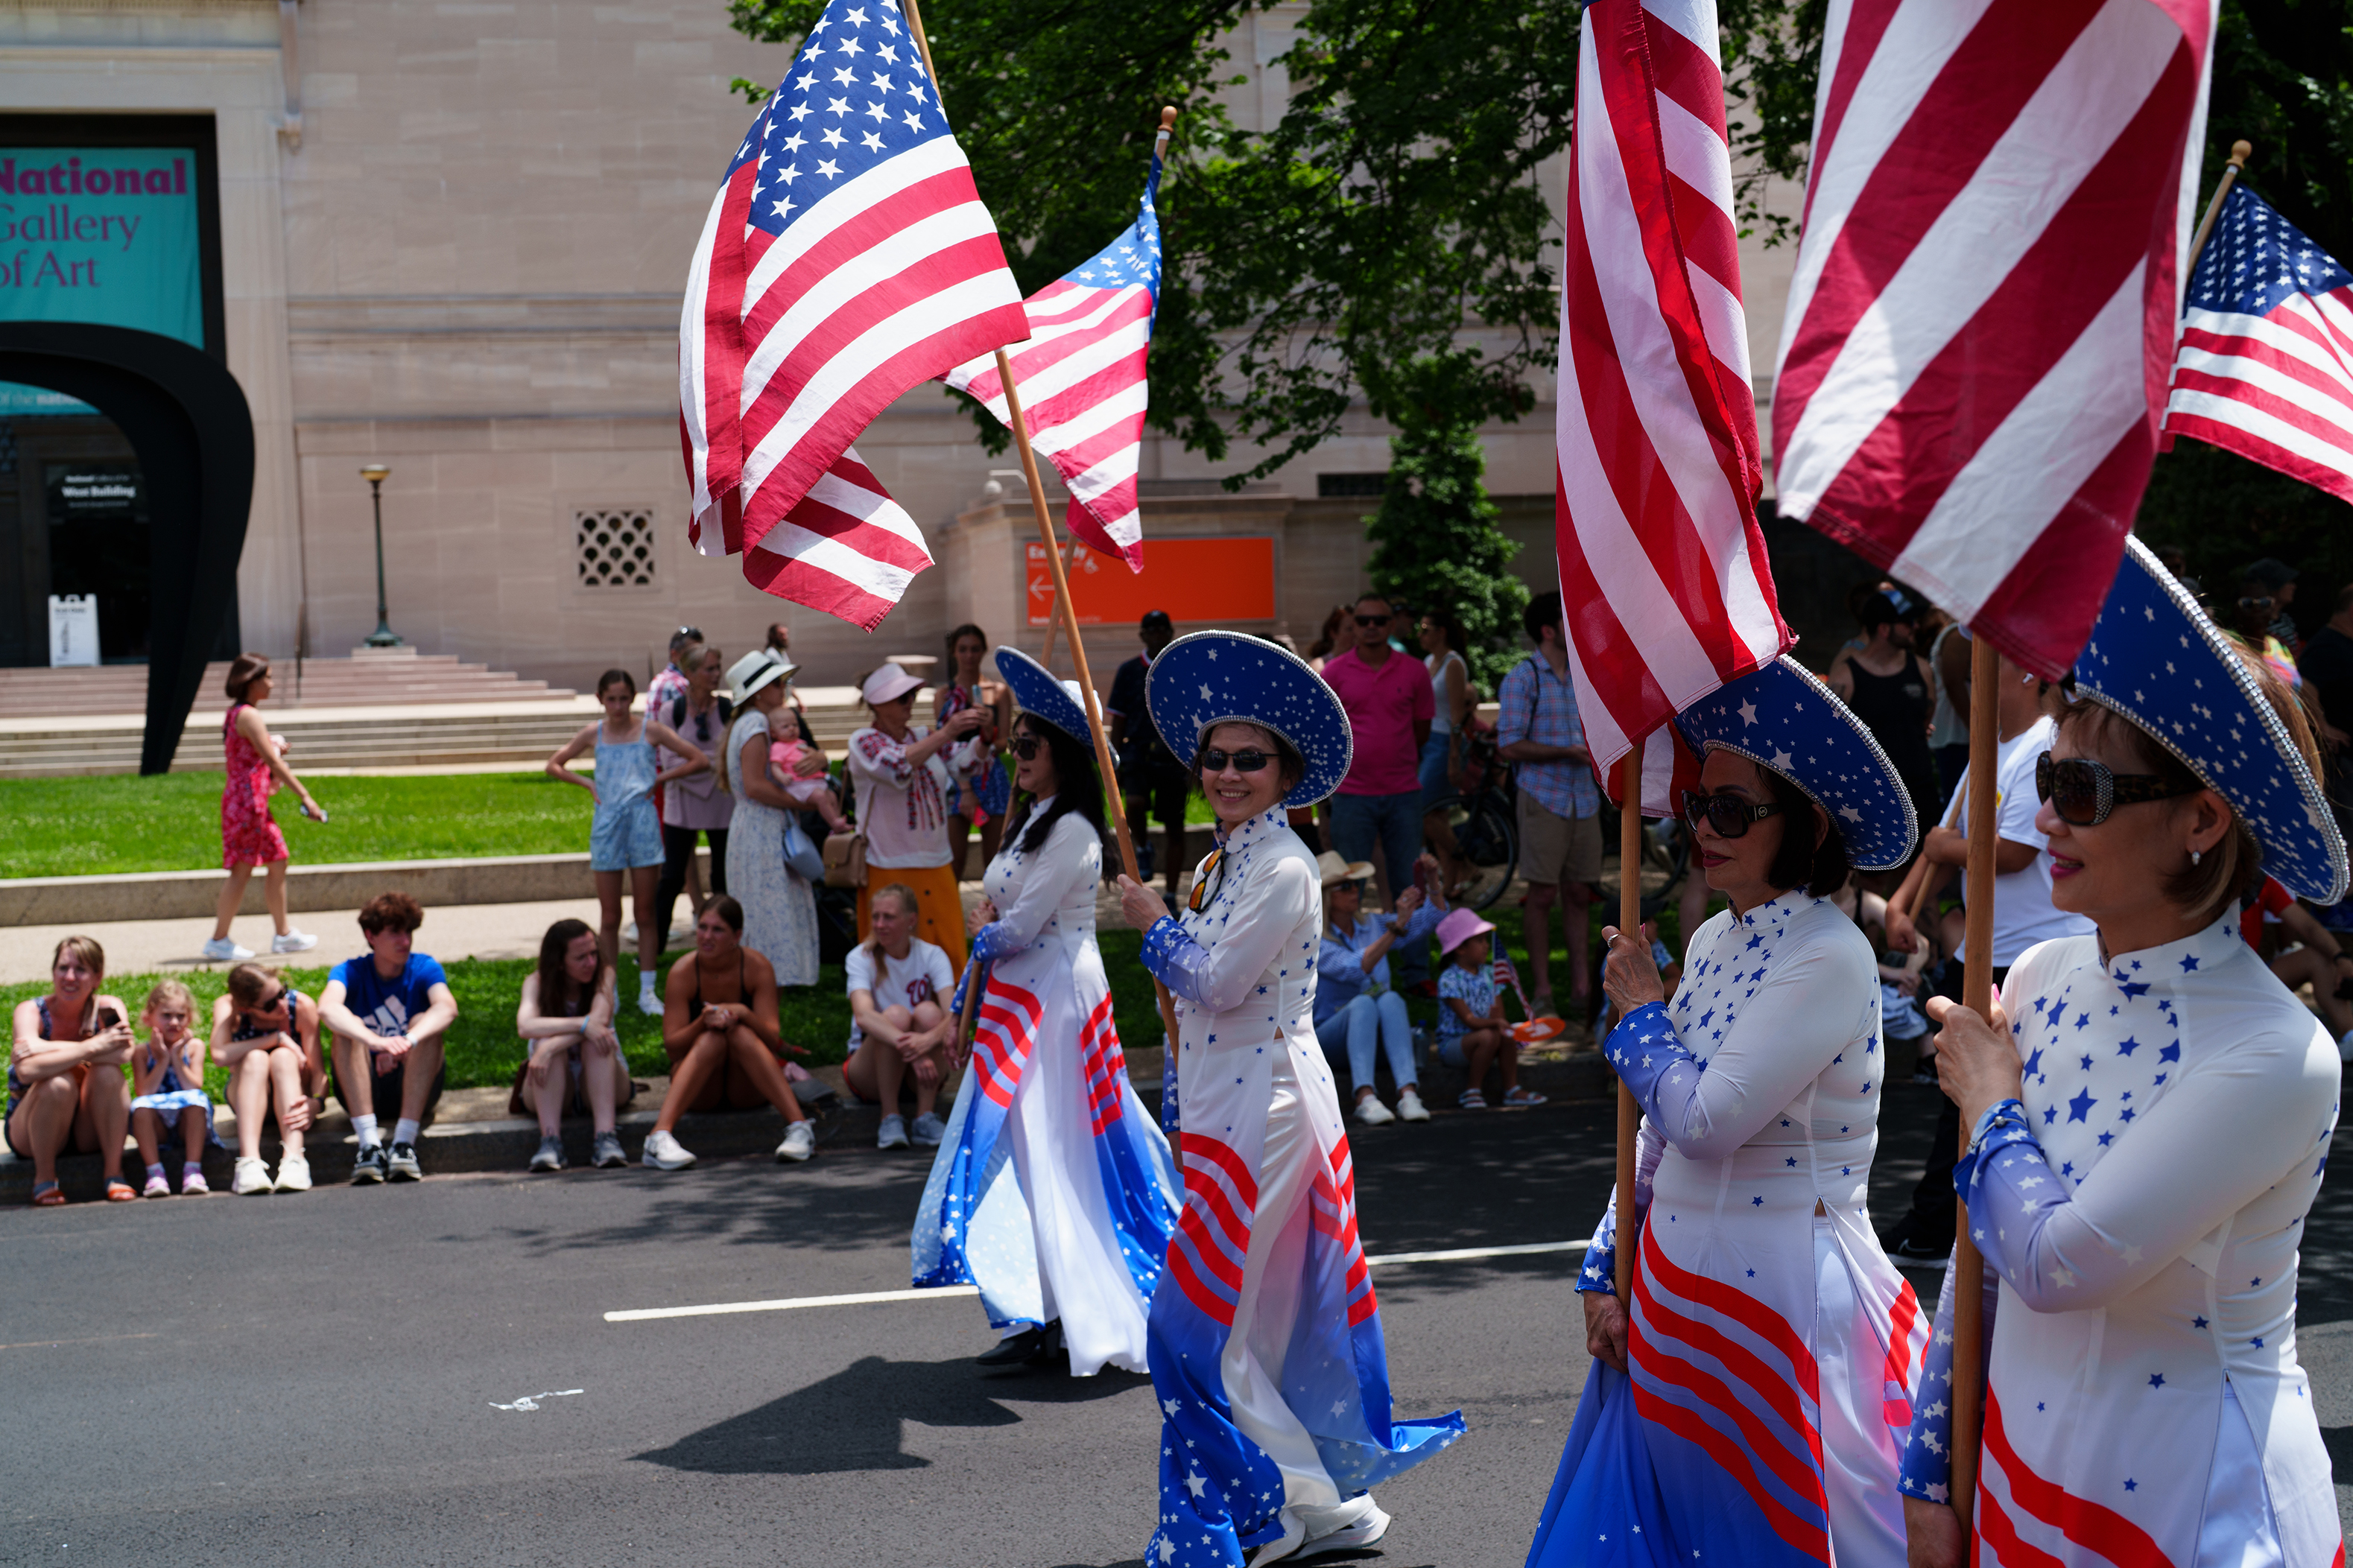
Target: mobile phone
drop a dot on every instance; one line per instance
(304, 808)
(108, 1017)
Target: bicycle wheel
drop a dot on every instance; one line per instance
(1489, 841)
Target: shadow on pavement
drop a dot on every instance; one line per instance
(854, 1420)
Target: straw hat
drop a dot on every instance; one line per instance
(1336, 870)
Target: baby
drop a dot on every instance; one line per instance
(167, 1078)
(816, 792)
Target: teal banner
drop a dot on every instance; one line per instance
(107, 235)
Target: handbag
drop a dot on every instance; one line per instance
(844, 860)
(806, 862)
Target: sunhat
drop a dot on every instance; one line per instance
(2160, 660)
(754, 670)
(888, 684)
(1459, 927)
(1037, 693)
(1336, 870)
(1781, 717)
(1206, 679)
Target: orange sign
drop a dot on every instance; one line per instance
(1211, 582)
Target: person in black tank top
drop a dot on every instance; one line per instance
(1890, 689)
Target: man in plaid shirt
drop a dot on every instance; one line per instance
(1559, 820)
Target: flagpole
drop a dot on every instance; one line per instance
(2239, 152)
(1053, 620)
(1629, 922)
(1976, 994)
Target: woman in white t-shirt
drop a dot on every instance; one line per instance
(903, 784)
(1440, 767)
(898, 987)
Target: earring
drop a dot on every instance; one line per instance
(2193, 856)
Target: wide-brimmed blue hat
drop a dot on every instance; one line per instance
(2157, 659)
(1229, 677)
(1781, 717)
(1037, 693)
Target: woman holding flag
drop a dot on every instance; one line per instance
(1267, 1356)
(1065, 1239)
(1750, 1404)
(2149, 1112)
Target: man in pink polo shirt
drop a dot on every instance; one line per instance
(1391, 706)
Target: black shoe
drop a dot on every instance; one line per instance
(1052, 1351)
(1022, 1348)
(369, 1168)
(402, 1165)
(1903, 1249)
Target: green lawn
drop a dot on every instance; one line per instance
(110, 825)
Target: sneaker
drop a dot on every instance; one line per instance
(1365, 1531)
(648, 1002)
(893, 1133)
(1905, 1249)
(800, 1142)
(608, 1154)
(928, 1131)
(294, 942)
(157, 1187)
(368, 1169)
(193, 1184)
(293, 1174)
(220, 950)
(252, 1178)
(664, 1152)
(1410, 1107)
(1372, 1112)
(550, 1156)
(1540, 1006)
(402, 1166)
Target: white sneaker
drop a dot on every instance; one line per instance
(648, 1002)
(294, 942)
(252, 1178)
(892, 1134)
(1410, 1107)
(1364, 1531)
(294, 1171)
(800, 1142)
(665, 1152)
(1372, 1112)
(220, 950)
(928, 1131)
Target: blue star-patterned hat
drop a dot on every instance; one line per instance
(2155, 659)
(1043, 698)
(1221, 677)
(1781, 717)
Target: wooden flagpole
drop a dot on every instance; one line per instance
(1976, 994)
(1054, 614)
(2239, 152)
(1630, 921)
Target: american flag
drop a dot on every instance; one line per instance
(2265, 366)
(847, 258)
(1982, 316)
(1081, 377)
(1664, 580)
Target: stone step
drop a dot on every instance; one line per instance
(370, 676)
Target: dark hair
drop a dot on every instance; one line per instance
(1451, 623)
(556, 982)
(1077, 788)
(2343, 598)
(242, 671)
(1374, 594)
(957, 635)
(728, 910)
(1330, 635)
(1819, 868)
(1290, 766)
(778, 643)
(395, 911)
(1543, 611)
(683, 636)
(610, 676)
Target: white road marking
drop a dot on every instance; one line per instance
(872, 1298)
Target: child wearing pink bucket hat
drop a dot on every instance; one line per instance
(1471, 1031)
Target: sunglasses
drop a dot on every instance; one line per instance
(2256, 602)
(1372, 620)
(1727, 812)
(1248, 761)
(1027, 747)
(2084, 792)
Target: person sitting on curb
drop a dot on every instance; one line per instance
(1355, 1007)
(566, 1019)
(899, 986)
(1471, 1030)
(266, 1037)
(726, 1051)
(389, 1013)
(167, 1087)
(64, 1088)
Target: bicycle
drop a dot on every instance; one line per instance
(1485, 823)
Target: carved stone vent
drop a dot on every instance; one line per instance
(614, 548)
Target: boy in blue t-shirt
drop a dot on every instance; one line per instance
(387, 1011)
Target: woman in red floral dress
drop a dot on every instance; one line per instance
(256, 765)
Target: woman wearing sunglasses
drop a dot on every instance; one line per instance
(1066, 1238)
(2146, 1114)
(1266, 1343)
(1748, 1406)
(266, 1037)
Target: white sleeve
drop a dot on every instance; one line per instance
(1238, 946)
(2014, 818)
(1069, 854)
(860, 966)
(943, 977)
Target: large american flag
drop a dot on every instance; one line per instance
(1081, 378)
(1664, 582)
(847, 258)
(2265, 366)
(1981, 320)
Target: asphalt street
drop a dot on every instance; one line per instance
(423, 1374)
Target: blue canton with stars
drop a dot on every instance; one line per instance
(1209, 678)
(856, 96)
(2154, 657)
(2256, 258)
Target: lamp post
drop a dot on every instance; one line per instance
(384, 636)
